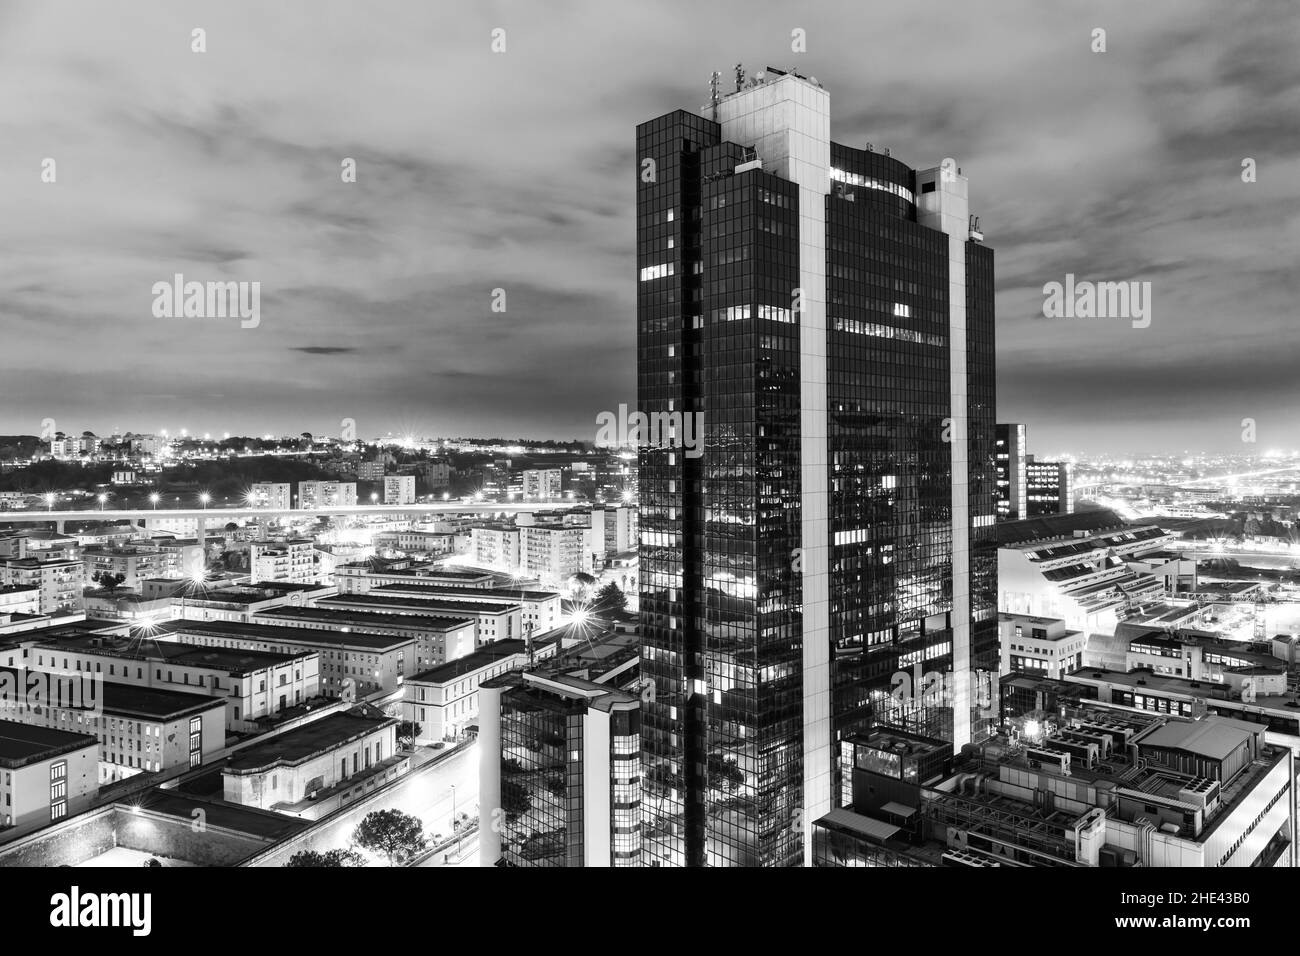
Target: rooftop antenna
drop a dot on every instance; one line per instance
(740, 76)
(713, 93)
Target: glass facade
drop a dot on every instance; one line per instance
(721, 639)
(543, 776)
(541, 780)
(718, 333)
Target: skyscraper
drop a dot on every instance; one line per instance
(826, 313)
(1012, 484)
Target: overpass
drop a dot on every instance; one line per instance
(207, 517)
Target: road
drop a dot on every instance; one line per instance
(431, 797)
(218, 515)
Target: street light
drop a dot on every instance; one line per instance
(205, 498)
(374, 498)
(49, 501)
(102, 498)
(153, 499)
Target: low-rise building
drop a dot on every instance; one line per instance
(348, 663)
(361, 576)
(496, 620)
(1042, 646)
(437, 639)
(443, 700)
(139, 729)
(1084, 784)
(301, 771)
(243, 603)
(45, 774)
(541, 609)
(255, 685)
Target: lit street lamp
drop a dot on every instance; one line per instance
(102, 499)
(49, 502)
(205, 498)
(153, 499)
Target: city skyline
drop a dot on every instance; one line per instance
(377, 295)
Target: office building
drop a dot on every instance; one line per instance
(1049, 488)
(559, 773)
(1040, 646)
(825, 314)
(1011, 477)
(1080, 785)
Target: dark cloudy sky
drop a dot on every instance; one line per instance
(480, 171)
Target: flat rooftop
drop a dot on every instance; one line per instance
(309, 740)
(347, 617)
(22, 744)
(149, 703)
(509, 595)
(266, 824)
(1204, 690)
(234, 661)
(485, 656)
(284, 634)
(423, 605)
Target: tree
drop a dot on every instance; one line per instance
(395, 835)
(330, 858)
(580, 584)
(611, 599)
(407, 731)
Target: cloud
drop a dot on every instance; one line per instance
(479, 171)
